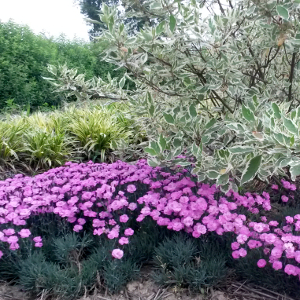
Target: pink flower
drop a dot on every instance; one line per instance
(274, 187)
(284, 198)
(129, 232)
(242, 252)
(290, 270)
(273, 223)
(236, 254)
(81, 221)
(277, 265)
(124, 218)
(9, 231)
(14, 246)
(261, 263)
(235, 246)
(37, 239)
(38, 245)
(131, 188)
(12, 239)
(117, 253)
(132, 206)
(123, 240)
(77, 228)
(24, 233)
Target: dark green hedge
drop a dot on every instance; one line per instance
(23, 61)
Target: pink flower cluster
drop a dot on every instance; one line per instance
(107, 196)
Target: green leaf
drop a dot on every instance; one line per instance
(187, 80)
(211, 174)
(177, 142)
(151, 110)
(152, 162)
(169, 118)
(210, 123)
(160, 27)
(290, 126)
(240, 149)
(295, 171)
(251, 169)
(205, 139)
(122, 82)
(154, 145)
(162, 143)
(172, 23)
(223, 179)
(151, 151)
(282, 12)
(177, 151)
(192, 111)
(276, 110)
(248, 114)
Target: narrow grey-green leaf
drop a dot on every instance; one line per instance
(251, 169)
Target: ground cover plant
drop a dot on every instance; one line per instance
(122, 214)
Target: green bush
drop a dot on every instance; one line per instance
(23, 64)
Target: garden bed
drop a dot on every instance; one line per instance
(86, 228)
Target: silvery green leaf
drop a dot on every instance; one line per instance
(295, 171)
(172, 23)
(223, 179)
(162, 143)
(152, 162)
(248, 114)
(290, 126)
(151, 151)
(211, 174)
(282, 12)
(276, 110)
(169, 118)
(251, 169)
(240, 149)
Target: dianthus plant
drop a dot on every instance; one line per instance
(113, 198)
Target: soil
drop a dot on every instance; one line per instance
(146, 289)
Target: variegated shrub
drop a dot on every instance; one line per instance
(218, 81)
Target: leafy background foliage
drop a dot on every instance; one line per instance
(24, 60)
